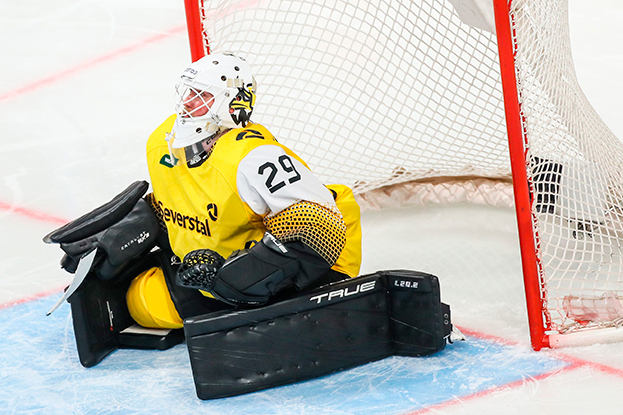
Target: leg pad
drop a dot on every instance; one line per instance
(101, 318)
(316, 333)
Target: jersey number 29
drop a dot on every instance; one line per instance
(286, 165)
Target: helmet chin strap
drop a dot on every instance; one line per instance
(215, 126)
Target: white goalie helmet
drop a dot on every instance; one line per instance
(215, 93)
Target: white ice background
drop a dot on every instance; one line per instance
(82, 85)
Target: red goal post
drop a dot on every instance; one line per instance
(452, 130)
(197, 38)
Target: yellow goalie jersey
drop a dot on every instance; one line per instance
(248, 185)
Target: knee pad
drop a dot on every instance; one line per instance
(149, 301)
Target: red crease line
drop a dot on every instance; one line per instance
(574, 364)
(507, 386)
(555, 353)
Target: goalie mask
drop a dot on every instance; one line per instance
(214, 94)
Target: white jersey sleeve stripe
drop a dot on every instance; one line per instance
(269, 181)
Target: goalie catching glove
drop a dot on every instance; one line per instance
(121, 230)
(247, 277)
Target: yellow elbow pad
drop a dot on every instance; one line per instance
(319, 227)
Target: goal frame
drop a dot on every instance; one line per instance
(517, 144)
(539, 322)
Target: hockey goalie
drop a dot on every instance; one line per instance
(238, 248)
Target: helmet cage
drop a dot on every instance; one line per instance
(214, 94)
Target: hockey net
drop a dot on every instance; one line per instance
(403, 101)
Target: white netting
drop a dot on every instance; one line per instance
(371, 93)
(576, 163)
(379, 92)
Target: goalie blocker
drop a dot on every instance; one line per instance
(316, 333)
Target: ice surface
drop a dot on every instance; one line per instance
(48, 378)
(83, 83)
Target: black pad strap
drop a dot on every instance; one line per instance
(333, 328)
(101, 218)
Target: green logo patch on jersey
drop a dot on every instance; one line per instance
(166, 161)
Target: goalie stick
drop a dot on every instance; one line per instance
(84, 266)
